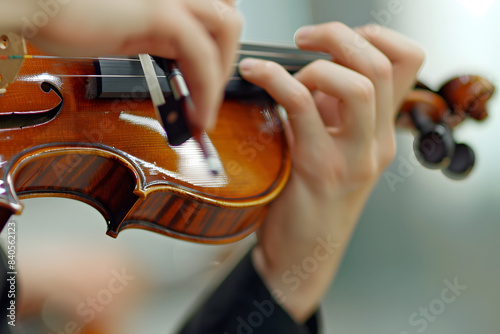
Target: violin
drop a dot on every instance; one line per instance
(86, 129)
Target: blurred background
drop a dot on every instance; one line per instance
(415, 239)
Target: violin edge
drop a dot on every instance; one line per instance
(117, 191)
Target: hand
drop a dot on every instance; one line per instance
(342, 120)
(201, 35)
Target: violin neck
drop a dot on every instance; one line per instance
(289, 57)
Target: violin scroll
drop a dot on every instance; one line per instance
(101, 143)
(434, 115)
(467, 96)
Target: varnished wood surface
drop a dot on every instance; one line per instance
(457, 100)
(113, 155)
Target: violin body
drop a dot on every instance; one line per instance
(58, 139)
(112, 154)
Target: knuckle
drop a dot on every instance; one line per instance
(233, 22)
(418, 55)
(238, 22)
(371, 28)
(387, 152)
(368, 173)
(313, 70)
(334, 28)
(368, 169)
(268, 70)
(210, 51)
(323, 174)
(413, 54)
(383, 68)
(318, 66)
(300, 97)
(363, 89)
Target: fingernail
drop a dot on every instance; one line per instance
(246, 65)
(303, 33)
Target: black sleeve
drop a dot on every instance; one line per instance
(4, 298)
(242, 304)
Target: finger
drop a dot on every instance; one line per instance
(199, 60)
(224, 22)
(355, 92)
(352, 50)
(306, 125)
(347, 47)
(405, 55)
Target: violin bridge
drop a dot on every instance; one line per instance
(10, 45)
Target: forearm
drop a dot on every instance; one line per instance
(15, 15)
(300, 265)
(14, 12)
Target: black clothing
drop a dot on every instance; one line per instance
(4, 297)
(242, 304)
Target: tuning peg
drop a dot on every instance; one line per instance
(434, 146)
(461, 164)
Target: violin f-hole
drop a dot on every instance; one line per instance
(23, 119)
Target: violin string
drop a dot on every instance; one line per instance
(288, 67)
(114, 76)
(101, 76)
(283, 55)
(256, 53)
(68, 58)
(14, 57)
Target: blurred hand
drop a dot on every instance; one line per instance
(342, 120)
(201, 35)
